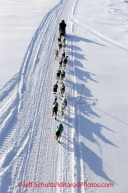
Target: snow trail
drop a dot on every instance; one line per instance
(35, 155)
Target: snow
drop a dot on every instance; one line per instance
(93, 147)
(18, 22)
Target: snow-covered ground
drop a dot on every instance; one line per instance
(18, 22)
(93, 146)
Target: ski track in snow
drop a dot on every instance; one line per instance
(96, 5)
(28, 146)
(98, 35)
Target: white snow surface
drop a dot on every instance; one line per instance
(93, 146)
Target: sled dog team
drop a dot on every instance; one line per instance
(60, 75)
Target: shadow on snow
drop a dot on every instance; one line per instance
(88, 129)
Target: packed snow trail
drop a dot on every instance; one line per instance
(29, 150)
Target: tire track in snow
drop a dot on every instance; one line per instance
(96, 5)
(98, 35)
(8, 87)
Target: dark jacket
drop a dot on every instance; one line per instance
(62, 26)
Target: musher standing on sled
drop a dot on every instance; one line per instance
(62, 25)
(59, 131)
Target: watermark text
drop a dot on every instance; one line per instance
(65, 184)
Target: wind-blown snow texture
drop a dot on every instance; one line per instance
(93, 146)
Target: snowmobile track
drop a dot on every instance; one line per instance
(98, 35)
